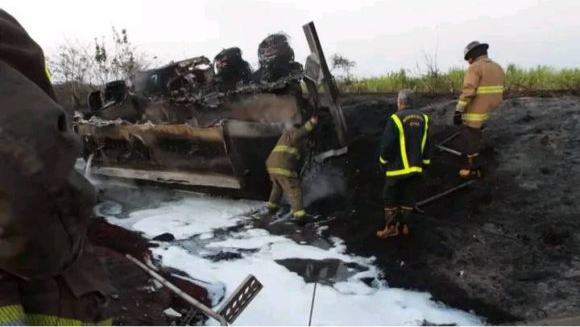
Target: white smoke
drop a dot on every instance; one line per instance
(322, 181)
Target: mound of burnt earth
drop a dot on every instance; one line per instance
(139, 300)
(507, 246)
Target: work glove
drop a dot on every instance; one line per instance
(457, 120)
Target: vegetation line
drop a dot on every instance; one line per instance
(433, 81)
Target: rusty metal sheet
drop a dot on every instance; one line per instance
(124, 131)
(171, 177)
(178, 154)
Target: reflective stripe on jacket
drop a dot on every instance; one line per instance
(483, 87)
(284, 160)
(405, 143)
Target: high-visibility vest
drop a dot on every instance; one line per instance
(405, 143)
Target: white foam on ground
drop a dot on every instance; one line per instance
(286, 297)
(187, 217)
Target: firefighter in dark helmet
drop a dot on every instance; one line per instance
(482, 93)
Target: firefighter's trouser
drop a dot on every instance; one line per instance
(291, 187)
(471, 139)
(48, 302)
(400, 191)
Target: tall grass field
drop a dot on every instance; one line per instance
(517, 79)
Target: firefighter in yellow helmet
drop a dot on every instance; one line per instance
(283, 165)
(404, 156)
(49, 273)
(483, 87)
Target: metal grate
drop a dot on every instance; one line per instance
(240, 299)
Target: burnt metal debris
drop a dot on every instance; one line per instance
(276, 59)
(207, 124)
(231, 69)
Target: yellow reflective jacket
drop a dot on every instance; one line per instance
(284, 160)
(483, 87)
(405, 148)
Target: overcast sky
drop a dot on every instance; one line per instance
(380, 36)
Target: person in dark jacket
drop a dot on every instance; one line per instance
(283, 165)
(49, 274)
(404, 156)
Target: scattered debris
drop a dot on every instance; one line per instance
(195, 303)
(223, 255)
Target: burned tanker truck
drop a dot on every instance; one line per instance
(210, 125)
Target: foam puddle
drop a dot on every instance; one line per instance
(216, 243)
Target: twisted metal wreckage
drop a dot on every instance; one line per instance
(185, 125)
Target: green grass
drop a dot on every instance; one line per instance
(517, 79)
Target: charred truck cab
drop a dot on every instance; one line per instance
(173, 125)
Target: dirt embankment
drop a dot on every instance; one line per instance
(506, 247)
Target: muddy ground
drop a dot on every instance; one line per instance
(138, 299)
(506, 247)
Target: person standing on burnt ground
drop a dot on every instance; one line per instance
(405, 153)
(49, 274)
(231, 69)
(284, 164)
(483, 87)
